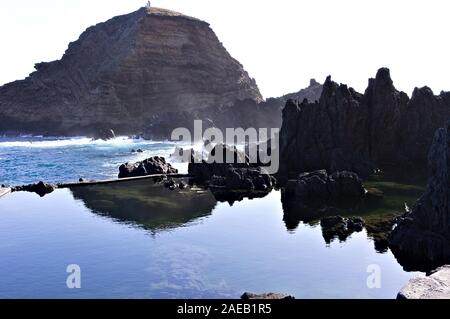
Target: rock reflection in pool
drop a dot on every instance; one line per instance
(146, 203)
(230, 197)
(379, 212)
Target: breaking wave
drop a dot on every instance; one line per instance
(56, 142)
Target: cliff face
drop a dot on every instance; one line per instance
(121, 73)
(247, 113)
(421, 240)
(347, 130)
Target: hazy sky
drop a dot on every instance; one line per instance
(282, 44)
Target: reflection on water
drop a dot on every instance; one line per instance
(230, 197)
(139, 239)
(390, 192)
(147, 203)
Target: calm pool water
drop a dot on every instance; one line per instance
(140, 240)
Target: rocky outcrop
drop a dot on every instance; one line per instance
(238, 174)
(104, 134)
(435, 286)
(125, 74)
(217, 163)
(172, 184)
(421, 239)
(151, 166)
(243, 179)
(319, 186)
(328, 134)
(346, 130)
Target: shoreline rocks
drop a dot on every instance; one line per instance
(104, 134)
(205, 170)
(435, 286)
(243, 178)
(239, 175)
(151, 166)
(320, 186)
(421, 239)
(172, 184)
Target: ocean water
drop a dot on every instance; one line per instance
(31, 159)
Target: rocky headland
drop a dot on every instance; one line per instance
(145, 73)
(121, 73)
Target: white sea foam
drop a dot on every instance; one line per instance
(27, 142)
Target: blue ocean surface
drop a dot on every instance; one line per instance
(30, 159)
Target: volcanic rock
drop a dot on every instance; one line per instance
(217, 163)
(346, 130)
(421, 239)
(182, 185)
(104, 134)
(319, 185)
(231, 170)
(151, 166)
(125, 72)
(170, 184)
(435, 286)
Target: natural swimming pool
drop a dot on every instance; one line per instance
(141, 240)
